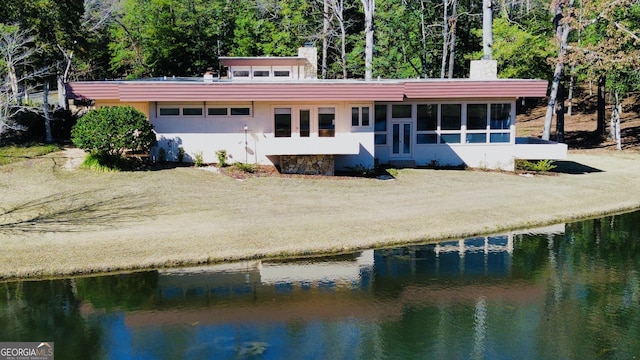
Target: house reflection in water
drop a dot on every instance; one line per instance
(369, 284)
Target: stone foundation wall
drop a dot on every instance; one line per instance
(307, 164)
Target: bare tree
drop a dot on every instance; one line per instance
(99, 14)
(563, 29)
(369, 7)
(17, 48)
(326, 22)
(445, 37)
(453, 20)
(337, 8)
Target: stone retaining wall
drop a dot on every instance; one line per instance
(307, 164)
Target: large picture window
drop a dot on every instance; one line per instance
(282, 117)
(427, 124)
(500, 116)
(476, 116)
(326, 121)
(451, 117)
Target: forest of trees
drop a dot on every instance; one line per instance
(568, 42)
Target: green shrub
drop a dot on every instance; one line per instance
(538, 166)
(112, 130)
(107, 163)
(198, 161)
(222, 158)
(248, 168)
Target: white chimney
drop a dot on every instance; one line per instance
(309, 52)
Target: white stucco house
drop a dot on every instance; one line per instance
(274, 110)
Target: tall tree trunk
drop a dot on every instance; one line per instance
(343, 49)
(601, 106)
(452, 37)
(13, 80)
(325, 40)
(570, 96)
(564, 30)
(487, 29)
(560, 114)
(47, 116)
(369, 7)
(615, 121)
(445, 37)
(425, 52)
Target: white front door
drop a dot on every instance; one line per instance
(401, 135)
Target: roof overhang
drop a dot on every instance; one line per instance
(464, 88)
(314, 90)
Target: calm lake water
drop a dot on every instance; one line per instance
(563, 292)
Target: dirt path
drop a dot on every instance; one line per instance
(74, 157)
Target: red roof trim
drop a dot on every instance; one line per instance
(320, 90)
(475, 89)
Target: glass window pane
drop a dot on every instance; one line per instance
(450, 138)
(326, 122)
(282, 118)
(380, 139)
(305, 123)
(427, 138)
(192, 111)
(400, 111)
(365, 116)
(500, 116)
(281, 73)
(217, 111)
(427, 117)
(396, 138)
(240, 111)
(476, 116)
(261, 73)
(355, 116)
(476, 138)
(500, 138)
(381, 118)
(406, 145)
(240, 73)
(451, 116)
(169, 111)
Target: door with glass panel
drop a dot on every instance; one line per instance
(401, 139)
(304, 117)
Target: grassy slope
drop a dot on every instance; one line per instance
(9, 154)
(55, 221)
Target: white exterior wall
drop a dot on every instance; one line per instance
(207, 134)
(478, 155)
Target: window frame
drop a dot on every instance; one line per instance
(359, 116)
(331, 130)
(229, 110)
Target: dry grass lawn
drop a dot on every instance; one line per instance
(55, 221)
